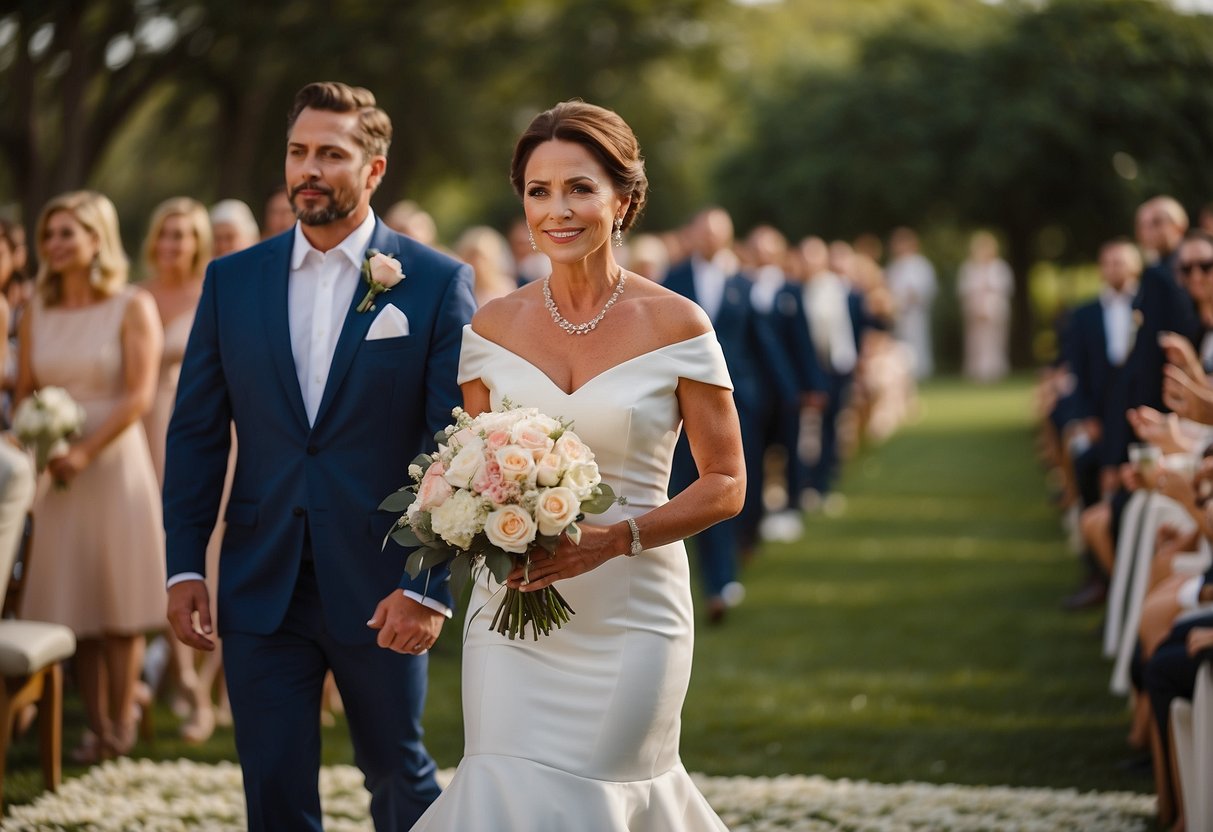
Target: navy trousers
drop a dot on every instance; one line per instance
(275, 683)
(1171, 673)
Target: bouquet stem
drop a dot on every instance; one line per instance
(539, 610)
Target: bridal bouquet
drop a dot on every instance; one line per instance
(44, 422)
(500, 485)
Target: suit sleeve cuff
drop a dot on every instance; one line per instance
(428, 602)
(181, 577)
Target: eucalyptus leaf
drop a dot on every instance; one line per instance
(422, 461)
(574, 533)
(500, 565)
(398, 501)
(548, 542)
(461, 571)
(405, 536)
(601, 502)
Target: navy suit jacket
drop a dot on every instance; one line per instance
(758, 363)
(383, 401)
(794, 328)
(1084, 350)
(1161, 305)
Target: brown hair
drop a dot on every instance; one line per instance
(97, 214)
(600, 131)
(200, 223)
(374, 134)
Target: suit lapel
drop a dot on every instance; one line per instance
(276, 269)
(355, 327)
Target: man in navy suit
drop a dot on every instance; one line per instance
(330, 404)
(761, 376)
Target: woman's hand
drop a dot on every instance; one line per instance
(1199, 638)
(598, 545)
(1161, 429)
(1176, 486)
(66, 467)
(1188, 396)
(1181, 353)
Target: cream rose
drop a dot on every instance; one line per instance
(535, 435)
(581, 478)
(434, 489)
(510, 529)
(466, 464)
(557, 507)
(517, 464)
(572, 449)
(385, 270)
(548, 469)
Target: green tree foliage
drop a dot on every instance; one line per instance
(1049, 124)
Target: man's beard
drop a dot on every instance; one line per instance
(336, 209)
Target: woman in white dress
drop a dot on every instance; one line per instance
(580, 729)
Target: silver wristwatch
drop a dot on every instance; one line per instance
(636, 547)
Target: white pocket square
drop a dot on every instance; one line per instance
(390, 323)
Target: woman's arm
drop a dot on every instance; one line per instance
(142, 344)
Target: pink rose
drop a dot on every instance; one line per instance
(572, 449)
(434, 489)
(385, 270)
(534, 436)
(497, 439)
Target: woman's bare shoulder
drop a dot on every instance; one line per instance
(500, 314)
(671, 316)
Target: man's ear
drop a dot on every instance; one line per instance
(378, 166)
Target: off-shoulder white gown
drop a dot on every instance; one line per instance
(579, 730)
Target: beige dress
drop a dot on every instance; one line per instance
(176, 335)
(98, 550)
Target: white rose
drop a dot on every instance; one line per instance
(459, 519)
(517, 464)
(466, 464)
(572, 449)
(557, 507)
(581, 478)
(385, 270)
(534, 434)
(548, 470)
(510, 529)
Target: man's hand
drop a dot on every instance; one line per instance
(405, 625)
(185, 600)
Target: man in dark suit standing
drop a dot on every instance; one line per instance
(711, 278)
(331, 397)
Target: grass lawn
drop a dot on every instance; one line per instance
(918, 636)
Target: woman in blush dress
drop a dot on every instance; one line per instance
(985, 285)
(97, 563)
(580, 729)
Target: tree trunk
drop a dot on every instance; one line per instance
(1019, 257)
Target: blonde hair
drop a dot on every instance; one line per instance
(96, 213)
(196, 215)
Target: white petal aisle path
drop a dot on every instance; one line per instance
(182, 796)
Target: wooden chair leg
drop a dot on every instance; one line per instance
(50, 726)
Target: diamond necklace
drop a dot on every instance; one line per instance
(567, 325)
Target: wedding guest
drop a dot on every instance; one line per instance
(98, 554)
(8, 366)
(530, 263)
(410, 219)
(233, 227)
(647, 256)
(711, 279)
(1206, 218)
(488, 253)
(176, 252)
(911, 279)
(279, 216)
(985, 285)
(330, 404)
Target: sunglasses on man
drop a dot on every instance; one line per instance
(1205, 266)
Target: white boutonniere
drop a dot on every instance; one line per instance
(380, 272)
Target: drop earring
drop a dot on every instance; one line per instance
(531, 235)
(94, 272)
(617, 236)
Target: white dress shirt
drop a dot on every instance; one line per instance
(709, 279)
(825, 307)
(319, 293)
(768, 280)
(1117, 324)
